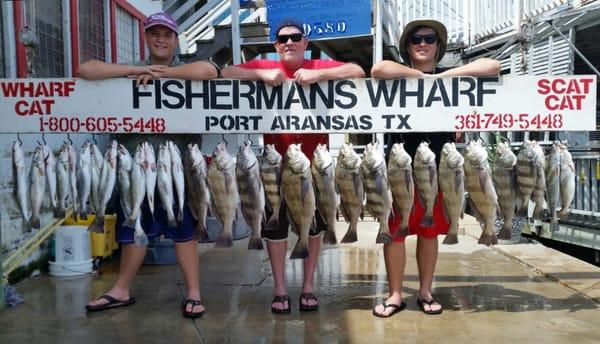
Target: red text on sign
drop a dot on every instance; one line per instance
(35, 107)
(563, 94)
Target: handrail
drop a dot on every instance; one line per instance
(16, 258)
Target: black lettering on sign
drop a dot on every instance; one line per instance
(215, 94)
(382, 89)
(167, 90)
(351, 97)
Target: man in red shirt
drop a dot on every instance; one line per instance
(291, 44)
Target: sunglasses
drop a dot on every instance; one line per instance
(295, 37)
(418, 39)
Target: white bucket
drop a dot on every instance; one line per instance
(72, 252)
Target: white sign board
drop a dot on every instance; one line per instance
(513, 103)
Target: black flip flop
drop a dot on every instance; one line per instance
(397, 308)
(281, 299)
(308, 297)
(421, 304)
(112, 303)
(191, 314)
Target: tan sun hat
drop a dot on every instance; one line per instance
(437, 26)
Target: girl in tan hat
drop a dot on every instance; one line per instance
(422, 45)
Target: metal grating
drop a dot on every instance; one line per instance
(91, 30)
(125, 36)
(46, 20)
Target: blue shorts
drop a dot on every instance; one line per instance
(154, 227)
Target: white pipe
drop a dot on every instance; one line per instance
(107, 29)
(10, 48)
(67, 46)
(235, 31)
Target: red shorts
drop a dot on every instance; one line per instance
(440, 224)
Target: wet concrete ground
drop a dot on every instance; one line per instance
(489, 295)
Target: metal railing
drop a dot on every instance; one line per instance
(467, 20)
(587, 187)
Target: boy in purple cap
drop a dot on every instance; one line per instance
(160, 34)
(161, 39)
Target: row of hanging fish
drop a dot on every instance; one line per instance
(246, 185)
(503, 190)
(47, 173)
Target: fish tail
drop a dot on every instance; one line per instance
(25, 226)
(129, 222)
(98, 225)
(255, 243)
(350, 235)
(59, 213)
(505, 233)
(140, 238)
(83, 214)
(329, 237)
(172, 223)
(427, 220)
(224, 240)
(522, 211)
(300, 250)
(450, 239)
(488, 239)
(201, 233)
(35, 221)
(563, 214)
(538, 212)
(273, 222)
(384, 236)
(403, 230)
(554, 226)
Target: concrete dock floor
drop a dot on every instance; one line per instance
(510, 293)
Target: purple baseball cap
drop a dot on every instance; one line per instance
(161, 18)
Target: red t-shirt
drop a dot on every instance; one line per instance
(282, 141)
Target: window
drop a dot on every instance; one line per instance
(1, 44)
(127, 31)
(91, 30)
(45, 19)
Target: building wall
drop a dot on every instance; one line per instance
(67, 35)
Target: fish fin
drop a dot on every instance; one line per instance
(97, 225)
(409, 180)
(432, 174)
(345, 213)
(383, 237)
(358, 185)
(450, 239)
(255, 243)
(304, 187)
(446, 215)
(381, 184)
(229, 179)
(475, 211)
(59, 213)
(483, 179)
(458, 180)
